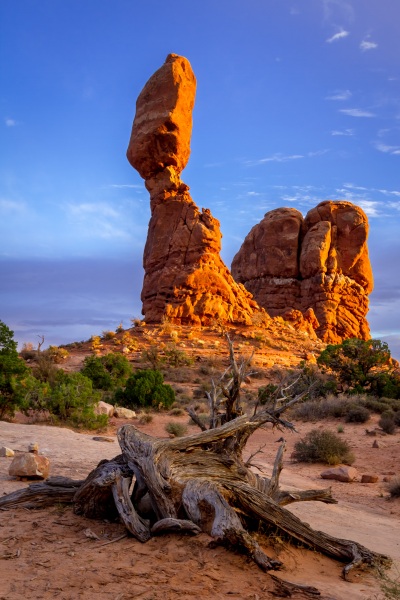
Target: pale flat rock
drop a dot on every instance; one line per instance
(124, 413)
(30, 465)
(343, 473)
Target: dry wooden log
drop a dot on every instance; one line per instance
(41, 494)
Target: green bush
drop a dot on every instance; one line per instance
(362, 365)
(357, 414)
(146, 387)
(12, 371)
(72, 399)
(107, 372)
(323, 446)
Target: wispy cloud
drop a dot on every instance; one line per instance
(387, 149)
(370, 207)
(86, 208)
(339, 95)
(345, 132)
(367, 45)
(356, 112)
(125, 185)
(338, 36)
(10, 122)
(279, 157)
(10, 206)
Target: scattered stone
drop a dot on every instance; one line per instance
(30, 465)
(124, 413)
(343, 473)
(369, 478)
(103, 408)
(377, 444)
(100, 438)
(185, 278)
(4, 451)
(319, 263)
(33, 447)
(371, 432)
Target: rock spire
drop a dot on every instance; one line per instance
(185, 278)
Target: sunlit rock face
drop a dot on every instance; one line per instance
(185, 278)
(319, 263)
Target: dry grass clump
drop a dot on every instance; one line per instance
(176, 429)
(387, 422)
(393, 487)
(145, 418)
(323, 446)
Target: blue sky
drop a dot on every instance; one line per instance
(298, 101)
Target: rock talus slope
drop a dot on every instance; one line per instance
(318, 265)
(185, 278)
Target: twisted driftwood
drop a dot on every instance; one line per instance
(191, 484)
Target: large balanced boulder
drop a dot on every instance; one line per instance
(319, 263)
(185, 278)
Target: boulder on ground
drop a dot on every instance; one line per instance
(103, 408)
(342, 473)
(124, 413)
(30, 465)
(4, 451)
(369, 478)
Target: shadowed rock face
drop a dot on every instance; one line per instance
(319, 263)
(185, 278)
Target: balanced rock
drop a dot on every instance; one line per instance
(30, 465)
(185, 278)
(319, 263)
(343, 473)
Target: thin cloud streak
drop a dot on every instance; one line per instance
(340, 95)
(338, 36)
(366, 45)
(356, 112)
(344, 132)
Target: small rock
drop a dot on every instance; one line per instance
(369, 478)
(30, 465)
(103, 408)
(100, 438)
(343, 473)
(124, 413)
(376, 444)
(33, 447)
(4, 451)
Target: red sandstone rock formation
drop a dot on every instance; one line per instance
(185, 278)
(319, 263)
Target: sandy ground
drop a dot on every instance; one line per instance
(47, 553)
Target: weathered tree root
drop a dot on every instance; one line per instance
(192, 484)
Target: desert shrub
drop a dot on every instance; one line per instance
(146, 387)
(357, 414)
(56, 354)
(12, 371)
(387, 422)
(96, 344)
(396, 418)
(375, 405)
(108, 335)
(393, 487)
(145, 418)
(307, 411)
(176, 357)
(176, 412)
(176, 429)
(323, 446)
(107, 372)
(72, 399)
(137, 322)
(28, 352)
(153, 356)
(129, 341)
